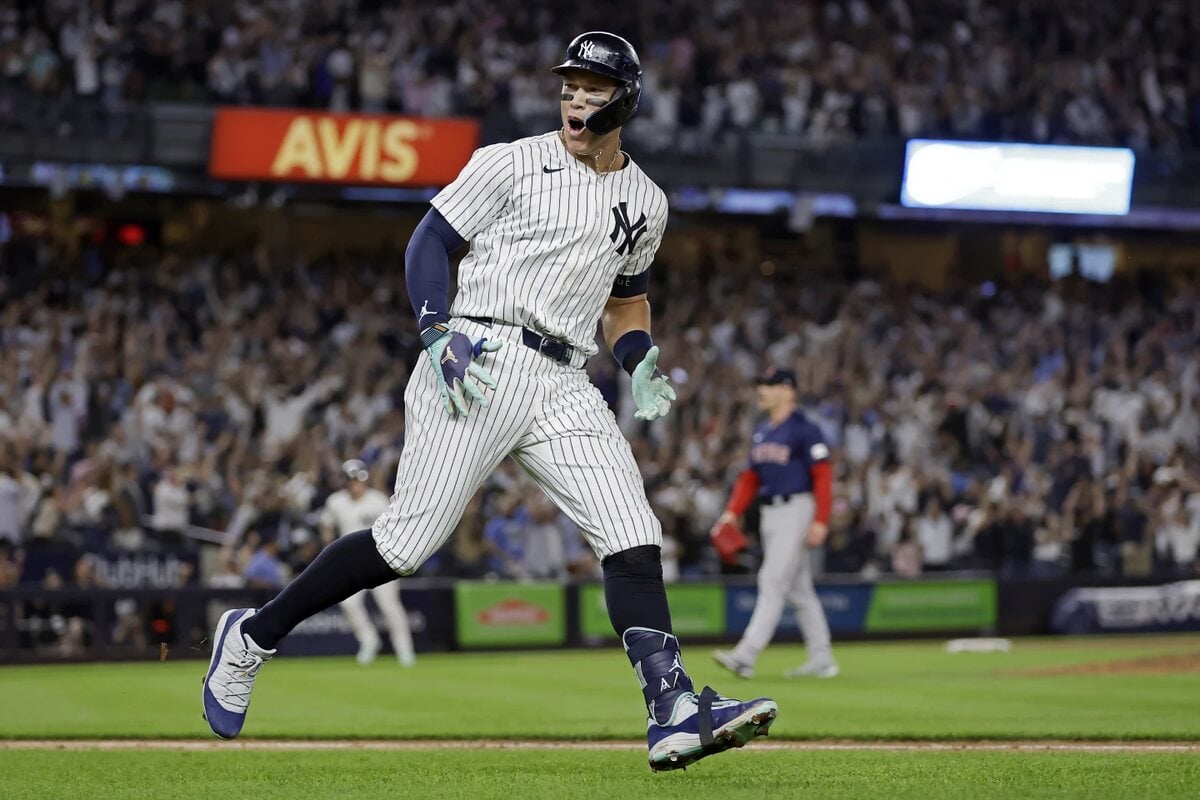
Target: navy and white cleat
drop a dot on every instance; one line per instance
(705, 724)
(235, 663)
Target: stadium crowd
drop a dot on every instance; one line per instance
(1016, 428)
(1122, 72)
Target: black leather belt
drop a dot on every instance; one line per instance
(779, 499)
(551, 348)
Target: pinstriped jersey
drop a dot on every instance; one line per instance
(549, 235)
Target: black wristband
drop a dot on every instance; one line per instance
(631, 348)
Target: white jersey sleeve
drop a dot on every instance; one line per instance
(480, 192)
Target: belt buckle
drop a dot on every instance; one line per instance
(553, 349)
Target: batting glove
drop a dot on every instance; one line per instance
(652, 393)
(451, 354)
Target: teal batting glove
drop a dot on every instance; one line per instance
(652, 392)
(452, 356)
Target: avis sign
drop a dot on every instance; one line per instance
(509, 614)
(283, 145)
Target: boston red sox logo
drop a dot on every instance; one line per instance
(622, 226)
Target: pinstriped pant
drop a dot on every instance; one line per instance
(553, 422)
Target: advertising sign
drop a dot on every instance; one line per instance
(329, 633)
(502, 614)
(932, 606)
(1129, 609)
(992, 176)
(116, 569)
(697, 609)
(287, 145)
(845, 608)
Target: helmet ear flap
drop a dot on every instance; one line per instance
(617, 111)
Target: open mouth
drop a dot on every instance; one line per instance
(575, 126)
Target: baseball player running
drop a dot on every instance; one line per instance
(346, 511)
(562, 230)
(791, 476)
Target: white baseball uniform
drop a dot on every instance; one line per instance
(549, 236)
(345, 515)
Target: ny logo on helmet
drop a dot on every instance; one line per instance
(622, 226)
(587, 50)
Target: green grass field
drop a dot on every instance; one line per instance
(895, 691)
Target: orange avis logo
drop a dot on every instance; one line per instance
(284, 145)
(513, 611)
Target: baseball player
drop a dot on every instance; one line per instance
(790, 474)
(349, 510)
(562, 229)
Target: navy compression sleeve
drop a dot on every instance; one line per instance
(427, 268)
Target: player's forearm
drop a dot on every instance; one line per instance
(822, 484)
(427, 268)
(745, 489)
(626, 326)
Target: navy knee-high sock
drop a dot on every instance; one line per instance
(634, 591)
(638, 610)
(347, 566)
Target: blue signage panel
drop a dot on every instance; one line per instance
(845, 608)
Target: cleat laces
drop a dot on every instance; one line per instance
(239, 678)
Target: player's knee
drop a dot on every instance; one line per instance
(644, 561)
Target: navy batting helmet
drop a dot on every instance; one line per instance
(607, 54)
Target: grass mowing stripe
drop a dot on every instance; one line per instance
(34, 775)
(886, 691)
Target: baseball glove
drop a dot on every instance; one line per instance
(729, 540)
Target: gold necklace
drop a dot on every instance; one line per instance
(563, 138)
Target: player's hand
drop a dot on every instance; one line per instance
(728, 538)
(458, 376)
(652, 393)
(817, 532)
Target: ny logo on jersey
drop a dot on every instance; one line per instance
(622, 226)
(587, 50)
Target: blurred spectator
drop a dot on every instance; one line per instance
(992, 69)
(171, 500)
(11, 563)
(935, 533)
(1178, 543)
(1039, 423)
(907, 557)
(551, 546)
(502, 535)
(19, 494)
(265, 570)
